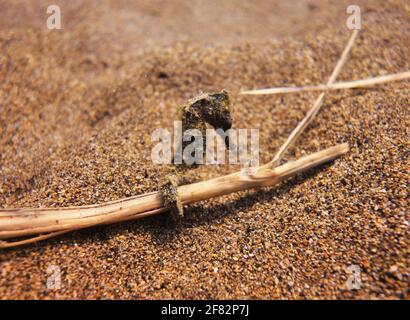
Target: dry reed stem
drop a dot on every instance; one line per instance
(55, 221)
(316, 106)
(362, 83)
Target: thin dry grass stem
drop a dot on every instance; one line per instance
(316, 106)
(362, 83)
(50, 222)
(6, 244)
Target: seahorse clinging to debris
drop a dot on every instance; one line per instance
(213, 109)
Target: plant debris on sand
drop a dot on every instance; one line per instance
(76, 112)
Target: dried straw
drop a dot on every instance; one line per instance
(316, 106)
(50, 222)
(362, 83)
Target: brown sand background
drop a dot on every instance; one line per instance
(77, 107)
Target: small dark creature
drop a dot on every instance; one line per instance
(213, 109)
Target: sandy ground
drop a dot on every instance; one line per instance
(77, 107)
